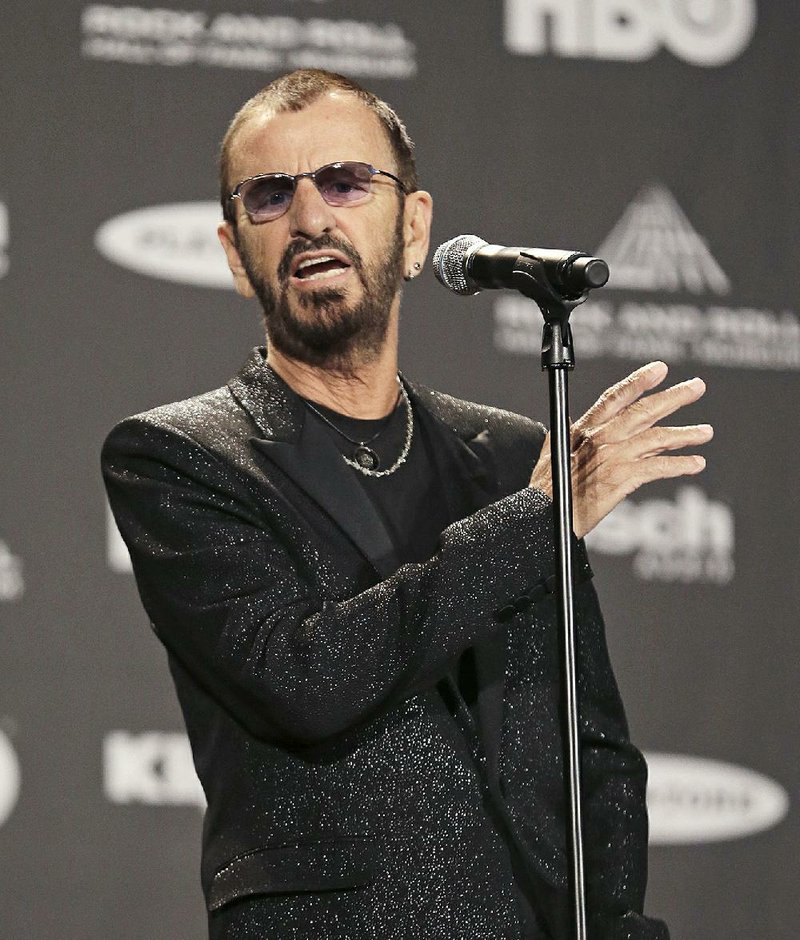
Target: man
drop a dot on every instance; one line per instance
(352, 577)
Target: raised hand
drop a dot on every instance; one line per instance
(617, 445)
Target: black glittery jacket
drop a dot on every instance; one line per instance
(351, 792)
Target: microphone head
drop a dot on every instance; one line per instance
(451, 263)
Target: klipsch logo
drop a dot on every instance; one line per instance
(175, 242)
(687, 539)
(693, 800)
(12, 583)
(157, 36)
(154, 768)
(9, 778)
(701, 32)
(654, 250)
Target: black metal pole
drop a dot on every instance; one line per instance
(530, 277)
(557, 360)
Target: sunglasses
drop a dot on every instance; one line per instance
(268, 196)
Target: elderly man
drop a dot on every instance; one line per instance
(352, 576)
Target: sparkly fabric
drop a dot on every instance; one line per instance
(350, 791)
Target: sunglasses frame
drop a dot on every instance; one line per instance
(235, 194)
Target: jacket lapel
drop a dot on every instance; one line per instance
(309, 458)
(315, 465)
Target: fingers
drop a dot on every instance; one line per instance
(623, 394)
(656, 440)
(666, 468)
(647, 411)
(643, 413)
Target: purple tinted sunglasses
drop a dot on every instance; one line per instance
(267, 197)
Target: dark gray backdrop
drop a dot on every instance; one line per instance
(664, 133)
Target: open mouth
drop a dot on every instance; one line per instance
(320, 268)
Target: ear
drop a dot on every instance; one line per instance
(241, 281)
(417, 216)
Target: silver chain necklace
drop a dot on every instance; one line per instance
(364, 459)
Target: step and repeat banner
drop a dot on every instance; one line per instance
(662, 135)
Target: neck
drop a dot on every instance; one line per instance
(368, 390)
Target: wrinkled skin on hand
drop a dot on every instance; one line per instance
(618, 446)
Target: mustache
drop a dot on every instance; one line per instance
(317, 244)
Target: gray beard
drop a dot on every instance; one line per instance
(339, 337)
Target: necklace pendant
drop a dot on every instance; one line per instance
(366, 457)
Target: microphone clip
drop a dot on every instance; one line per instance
(549, 284)
(530, 277)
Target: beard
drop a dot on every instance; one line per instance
(333, 334)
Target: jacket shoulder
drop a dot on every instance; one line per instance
(509, 442)
(213, 420)
(192, 415)
(468, 419)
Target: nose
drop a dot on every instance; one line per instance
(309, 214)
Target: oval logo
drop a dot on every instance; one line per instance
(9, 778)
(176, 242)
(693, 799)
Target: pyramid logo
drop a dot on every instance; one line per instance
(654, 247)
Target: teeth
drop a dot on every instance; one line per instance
(308, 261)
(322, 274)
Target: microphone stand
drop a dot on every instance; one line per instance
(530, 278)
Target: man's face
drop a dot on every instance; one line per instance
(333, 313)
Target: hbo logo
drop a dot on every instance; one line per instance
(702, 32)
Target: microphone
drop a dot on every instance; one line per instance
(468, 264)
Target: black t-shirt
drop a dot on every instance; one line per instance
(411, 500)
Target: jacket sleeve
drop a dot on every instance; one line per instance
(614, 790)
(613, 777)
(226, 591)
(613, 781)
